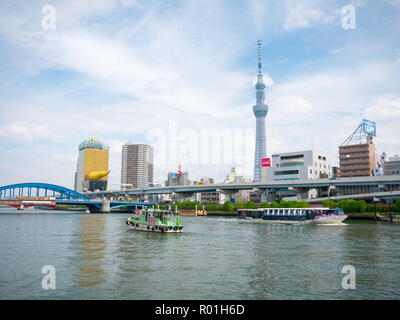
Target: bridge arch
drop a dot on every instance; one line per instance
(32, 189)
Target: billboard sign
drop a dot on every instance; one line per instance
(266, 162)
(369, 127)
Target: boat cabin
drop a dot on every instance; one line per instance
(293, 214)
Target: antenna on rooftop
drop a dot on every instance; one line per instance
(364, 129)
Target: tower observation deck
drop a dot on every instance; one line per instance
(260, 111)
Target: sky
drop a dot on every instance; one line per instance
(180, 75)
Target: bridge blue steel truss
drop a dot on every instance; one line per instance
(32, 189)
(61, 194)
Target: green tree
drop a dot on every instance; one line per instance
(362, 206)
(212, 207)
(228, 206)
(274, 204)
(396, 206)
(293, 204)
(303, 204)
(329, 203)
(283, 204)
(240, 205)
(250, 205)
(264, 204)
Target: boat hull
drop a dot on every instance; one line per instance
(192, 213)
(154, 228)
(388, 217)
(316, 220)
(295, 222)
(329, 219)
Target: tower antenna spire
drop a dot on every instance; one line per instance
(259, 42)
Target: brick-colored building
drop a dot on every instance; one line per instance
(358, 160)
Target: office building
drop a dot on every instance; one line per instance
(137, 167)
(209, 197)
(179, 178)
(357, 160)
(92, 169)
(241, 195)
(301, 165)
(392, 166)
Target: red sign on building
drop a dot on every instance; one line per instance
(266, 162)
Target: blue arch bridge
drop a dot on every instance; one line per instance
(33, 194)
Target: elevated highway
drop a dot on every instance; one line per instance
(383, 196)
(332, 187)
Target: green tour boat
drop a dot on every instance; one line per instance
(155, 220)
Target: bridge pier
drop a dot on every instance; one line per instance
(105, 207)
(182, 195)
(228, 193)
(135, 197)
(268, 195)
(303, 193)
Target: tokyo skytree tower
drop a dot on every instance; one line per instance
(260, 111)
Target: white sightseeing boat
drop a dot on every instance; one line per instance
(292, 215)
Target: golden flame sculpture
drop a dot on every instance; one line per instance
(97, 175)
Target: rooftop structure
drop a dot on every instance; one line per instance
(93, 143)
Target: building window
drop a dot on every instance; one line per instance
(292, 157)
(284, 173)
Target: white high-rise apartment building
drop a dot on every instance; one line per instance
(137, 167)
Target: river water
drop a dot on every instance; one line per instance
(96, 257)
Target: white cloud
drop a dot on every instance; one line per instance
(27, 132)
(305, 14)
(385, 111)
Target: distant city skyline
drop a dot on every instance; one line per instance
(121, 70)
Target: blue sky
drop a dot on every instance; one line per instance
(131, 70)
